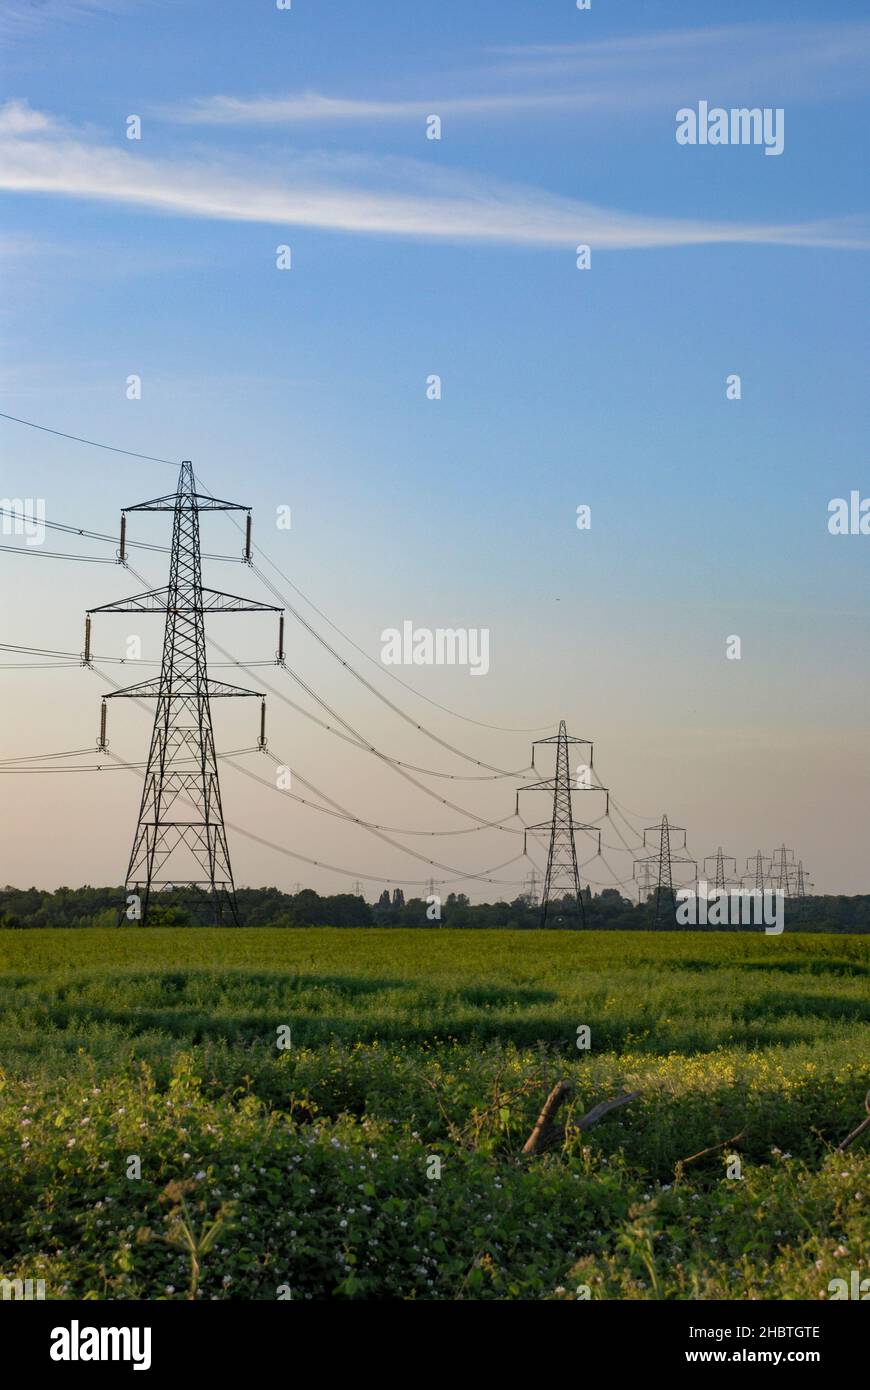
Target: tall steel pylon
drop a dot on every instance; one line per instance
(663, 861)
(645, 879)
(530, 887)
(562, 872)
(721, 875)
(182, 770)
(782, 871)
(756, 873)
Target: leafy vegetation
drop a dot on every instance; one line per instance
(311, 1171)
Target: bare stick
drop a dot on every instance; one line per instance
(865, 1124)
(680, 1165)
(541, 1135)
(545, 1133)
(603, 1108)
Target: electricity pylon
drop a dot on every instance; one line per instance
(562, 872)
(182, 770)
(664, 860)
(756, 873)
(803, 884)
(530, 888)
(644, 879)
(721, 877)
(782, 871)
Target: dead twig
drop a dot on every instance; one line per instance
(680, 1165)
(546, 1134)
(603, 1108)
(865, 1124)
(542, 1135)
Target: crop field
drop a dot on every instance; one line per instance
(317, 1114)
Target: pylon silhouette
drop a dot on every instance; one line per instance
(644, 879)
(562, 872)
(664, 861)
(721, 876)
(182, 768)
(782, 871)
(756, 873)
(530, 888)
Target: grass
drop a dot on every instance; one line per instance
(310, 1170)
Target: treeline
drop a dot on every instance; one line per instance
(269, 907)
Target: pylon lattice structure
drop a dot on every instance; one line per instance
(644, 875)
(180, 840)
(783, 870)
(755, 876)
(722, 876)
(662, 863)
(562, 875)
(802, 883)
(530, 888)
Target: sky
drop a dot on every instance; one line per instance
(561, 387)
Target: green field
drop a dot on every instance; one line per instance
(317, 1161)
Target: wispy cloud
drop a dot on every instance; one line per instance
(311, 107)
(21, 18)
(376, 196)
(620, 74)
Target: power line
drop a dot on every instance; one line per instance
(356, 873)
(357, 739)
(421, 728)
(59, 554)
(150, 458)
(358, 820)
(62, 434)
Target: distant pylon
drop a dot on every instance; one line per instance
(171, 849)
(663, 861)
(644, 879)
(562, 872)
(782, 871)
(530, 888)
(756, 873)
(721, 876)
(802, 883)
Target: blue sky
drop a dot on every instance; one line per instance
(560, 387)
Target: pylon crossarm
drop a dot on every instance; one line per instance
(567, 739)
(184, 690)
(235, 604)
(139, 603)
(203, 503)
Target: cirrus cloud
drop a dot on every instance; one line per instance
(371, 195)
